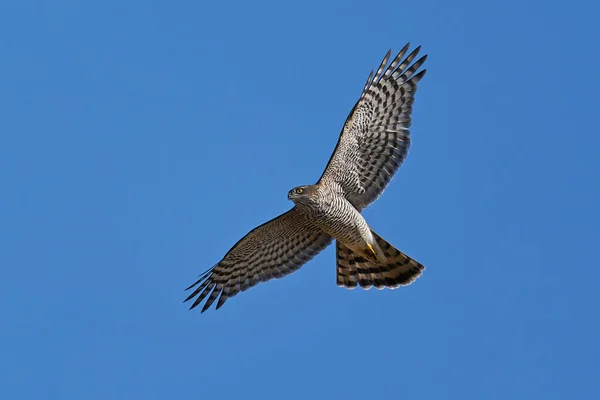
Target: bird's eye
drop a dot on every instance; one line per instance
(299, 191)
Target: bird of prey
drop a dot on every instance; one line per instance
(373, 143)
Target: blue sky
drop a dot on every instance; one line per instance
(140, 140)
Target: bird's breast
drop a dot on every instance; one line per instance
(340, 219)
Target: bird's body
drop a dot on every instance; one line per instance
(372, 145)
(327, 207)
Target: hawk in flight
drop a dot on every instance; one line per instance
(372, 145)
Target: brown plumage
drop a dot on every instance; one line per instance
(396, 269)
(373, 144)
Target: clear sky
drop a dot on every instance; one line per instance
(140, 140)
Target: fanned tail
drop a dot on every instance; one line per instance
(396, 270)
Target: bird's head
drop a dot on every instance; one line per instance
(301, 194)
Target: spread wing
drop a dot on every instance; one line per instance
(375, 139)
(271, 250)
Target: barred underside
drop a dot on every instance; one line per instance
(398, 269)
(272, 250)
(375, 139)
(372, 145)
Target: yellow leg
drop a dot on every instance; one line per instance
(371, 252)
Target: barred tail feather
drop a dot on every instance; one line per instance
(396, 270)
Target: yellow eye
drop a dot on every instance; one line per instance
(299, 190)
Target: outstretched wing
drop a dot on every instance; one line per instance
(375, 139)
(271, 250)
